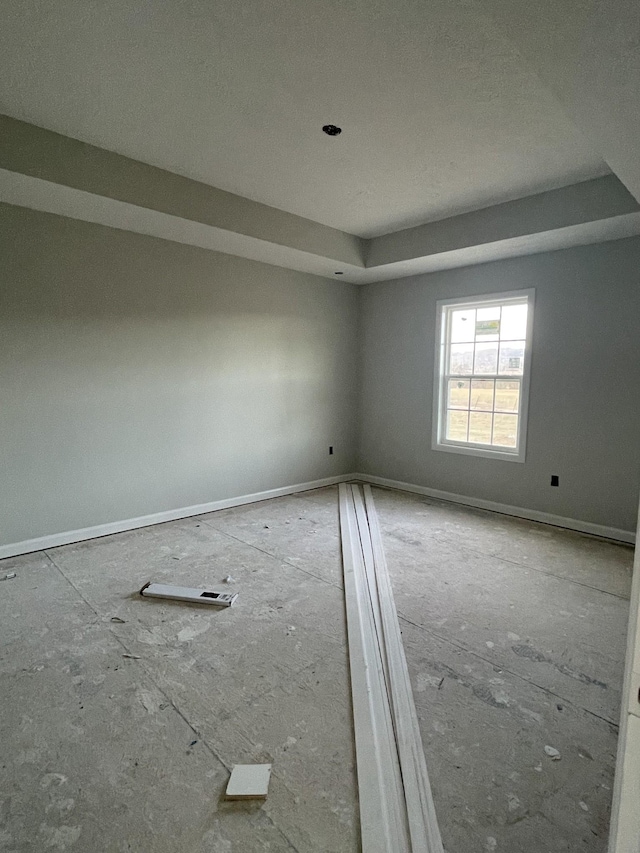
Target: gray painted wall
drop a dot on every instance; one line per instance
(140, 375)
(585, 384)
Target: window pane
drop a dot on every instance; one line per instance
(480, 427)
(486, 360)
(511, 358)
(482, 351)
(507, 396)
(514, 322)
(482, 394)
(505, 430)
(457, 425)
(488, 324)
(461, 359)
(458, 394)
(463, 325)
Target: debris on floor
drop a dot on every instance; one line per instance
(133, 657)
(117, 619)
(8, 576)
(229, 579)
(186, 593)
(244, 691)
(249, 782)
(553, 753)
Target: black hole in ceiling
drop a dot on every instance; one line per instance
(332, 130)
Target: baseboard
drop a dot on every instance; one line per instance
(520, 512)
(68, 538)
(56, 539)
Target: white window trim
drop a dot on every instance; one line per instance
(437, 442)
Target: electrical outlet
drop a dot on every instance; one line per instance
(555, 480)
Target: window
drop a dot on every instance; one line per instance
(483, 360)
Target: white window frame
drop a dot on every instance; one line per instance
(444, 308)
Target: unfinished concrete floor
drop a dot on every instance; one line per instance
(121, 716)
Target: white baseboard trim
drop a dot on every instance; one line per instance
(530, 514)
(56, 539)
(68, 538)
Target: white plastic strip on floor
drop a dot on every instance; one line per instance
(397, 813)
(425, 834)
(381, 819)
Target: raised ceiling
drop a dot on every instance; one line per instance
(440, 114)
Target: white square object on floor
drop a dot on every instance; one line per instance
(249, 782)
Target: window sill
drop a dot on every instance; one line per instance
(479, 451)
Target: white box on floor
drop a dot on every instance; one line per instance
(249, 782)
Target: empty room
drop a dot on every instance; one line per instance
(319, 458)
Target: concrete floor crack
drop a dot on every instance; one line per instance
(532, 568)
(474, 654)
(70, 582)
(274, 556)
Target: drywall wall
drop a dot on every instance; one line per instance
(140, 375)
(584, 407)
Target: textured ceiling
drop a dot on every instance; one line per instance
(439, 113)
